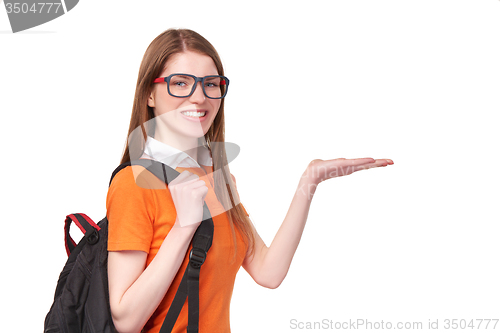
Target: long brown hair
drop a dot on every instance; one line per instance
(168, 43)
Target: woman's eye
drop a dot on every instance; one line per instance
(211, 84)
(180, 85)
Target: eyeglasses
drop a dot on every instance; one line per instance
(184, 85)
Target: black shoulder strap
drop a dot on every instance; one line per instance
(202, 241)
(160, 170)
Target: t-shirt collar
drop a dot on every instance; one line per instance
(174, 157)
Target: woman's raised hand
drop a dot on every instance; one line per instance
(188, 193)
(320, 170)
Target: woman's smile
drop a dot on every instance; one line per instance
(195, 115)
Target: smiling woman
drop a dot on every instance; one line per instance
(179, 111)
(178, 119)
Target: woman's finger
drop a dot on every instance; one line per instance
(384, 160)
(361, 161)
(376, 164)
(202, 190)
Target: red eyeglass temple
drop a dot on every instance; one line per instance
(162, 79)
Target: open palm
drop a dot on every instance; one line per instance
(319, 170)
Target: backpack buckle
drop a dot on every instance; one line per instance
(93, 238)
(197, 257)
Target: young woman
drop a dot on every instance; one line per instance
(178, 119)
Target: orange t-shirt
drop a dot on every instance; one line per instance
(141, 212)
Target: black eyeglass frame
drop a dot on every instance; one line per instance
(224, 81)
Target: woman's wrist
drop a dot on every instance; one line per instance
(185, 229)
(308, 182)
(306, 187)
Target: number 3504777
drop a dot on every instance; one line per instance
(25, 8)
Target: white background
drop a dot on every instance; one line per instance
(414, 81)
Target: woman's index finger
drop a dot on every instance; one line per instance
(361, 161)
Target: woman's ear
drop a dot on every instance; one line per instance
(151, 100)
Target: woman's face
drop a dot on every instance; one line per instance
(172, 113)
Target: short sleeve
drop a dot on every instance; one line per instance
(234, 180)
(130, 210)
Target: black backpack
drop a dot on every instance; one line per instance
(81, 301)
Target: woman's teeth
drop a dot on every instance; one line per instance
(194, 113)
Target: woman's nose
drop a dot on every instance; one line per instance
(198, 95)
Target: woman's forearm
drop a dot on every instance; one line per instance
(141, 299)
(278, 257)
